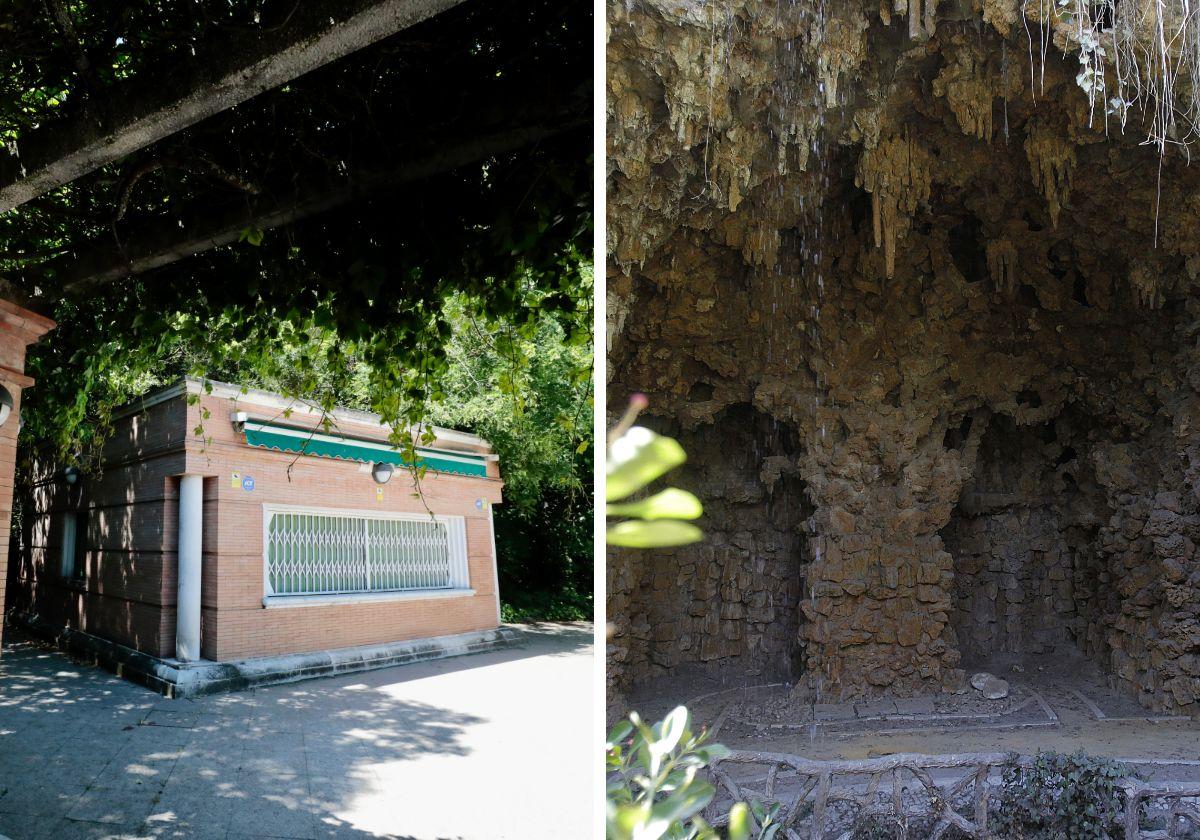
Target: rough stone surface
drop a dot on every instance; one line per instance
(970, 309)
(993, 688)
(1027, 580)
(732, 602)
(978, 681)
(989, 685)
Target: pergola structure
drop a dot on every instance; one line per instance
(169, 158)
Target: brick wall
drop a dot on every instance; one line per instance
(18, 329)
(235, 623)
(129, 541)
(8, 446)
(128, 592)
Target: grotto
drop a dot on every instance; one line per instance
(917, 287)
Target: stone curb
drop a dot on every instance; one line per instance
(194, 679)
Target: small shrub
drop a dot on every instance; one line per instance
(1077, 796)
(655, 790)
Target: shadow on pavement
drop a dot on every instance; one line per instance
(85, 754)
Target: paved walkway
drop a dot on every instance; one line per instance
(485, 747)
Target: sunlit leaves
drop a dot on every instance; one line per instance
(635, 459)
(671, 503)
(653, 520)
(527, 391)
(638, 534)
(655, 788)
(656, 785)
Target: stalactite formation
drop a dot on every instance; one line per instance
(1001, 14)
(970, 86)
(896, 174)
(838, 47)
(1052, 161)
(1148, 285)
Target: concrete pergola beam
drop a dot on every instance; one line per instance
(160, 245)
(145, 110)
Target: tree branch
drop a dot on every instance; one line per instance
(202, 164)
(145, 110)
(162, 244)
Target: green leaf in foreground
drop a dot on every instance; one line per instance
(684, 803)
(739, 822)
(654, 534)
(671, 503)
(638, 457)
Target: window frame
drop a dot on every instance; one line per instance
(456, 539)
(78, 519)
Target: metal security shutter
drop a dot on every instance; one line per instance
(310, 552)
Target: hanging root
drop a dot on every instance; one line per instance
(1134, 55)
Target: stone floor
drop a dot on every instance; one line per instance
(495, 745)
(1075, 711)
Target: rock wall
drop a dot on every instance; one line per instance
(1150, 633)
(872, 228)
(729, 607)
(1026, 577)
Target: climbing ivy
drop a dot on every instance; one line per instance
(1057, 795)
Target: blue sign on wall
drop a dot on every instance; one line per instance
(248, 483)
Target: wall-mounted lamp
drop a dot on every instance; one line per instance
(381, 472)
(6, 405)
(71, 475)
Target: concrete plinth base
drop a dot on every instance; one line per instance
(176, 678)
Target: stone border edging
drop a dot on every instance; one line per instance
(195, 679)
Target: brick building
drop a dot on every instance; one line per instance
(232, 539)
(19, 328)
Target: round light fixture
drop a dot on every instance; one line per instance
(6, 405)
(71, 475)
(381, 472)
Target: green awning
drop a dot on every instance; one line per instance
(285, 439)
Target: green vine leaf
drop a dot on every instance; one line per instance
(671, 503)
(637, 458)
(657, 534)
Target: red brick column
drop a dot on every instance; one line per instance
(18, 329)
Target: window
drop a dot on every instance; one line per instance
(73, 545)
(323, 552)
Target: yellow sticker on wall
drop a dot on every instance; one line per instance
(235, 481)
(379, 494)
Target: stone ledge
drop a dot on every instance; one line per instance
(193, 679)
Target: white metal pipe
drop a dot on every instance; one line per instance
(191, 527)
(495, 560)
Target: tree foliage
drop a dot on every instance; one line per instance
(528, 390)
(506, 233)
